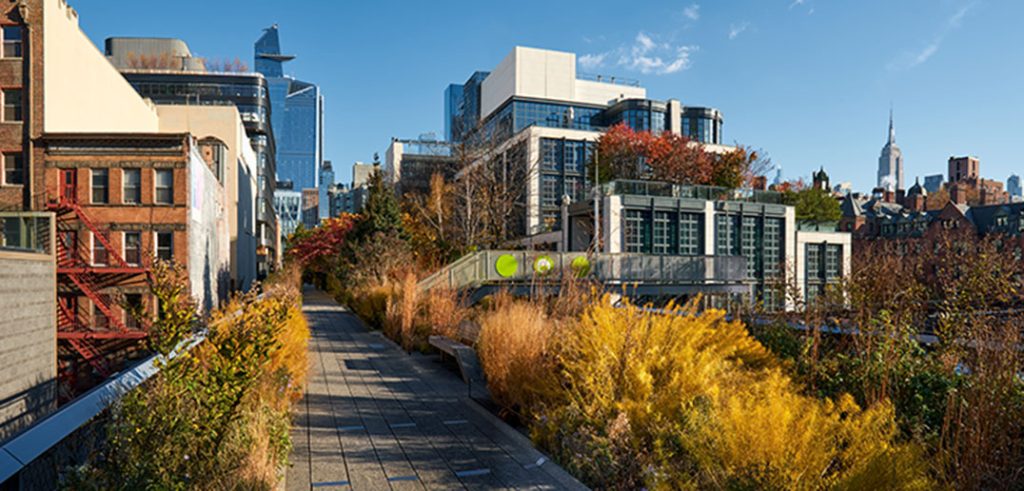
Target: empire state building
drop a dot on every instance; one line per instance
(890, 163)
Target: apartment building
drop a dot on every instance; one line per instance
(165, 71)
(226, 149)
(663, 219)
(77, 140)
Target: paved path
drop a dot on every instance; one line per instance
(374, 417)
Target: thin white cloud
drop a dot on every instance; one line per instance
(736, 29)
(646, 54)
(592, 61)
(796, 3)
(692, 12)
(910, 59)
(647, 57)
(925, 53)
(956, 19)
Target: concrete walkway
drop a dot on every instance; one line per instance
(374, 417)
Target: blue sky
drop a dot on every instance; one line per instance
(808, 81)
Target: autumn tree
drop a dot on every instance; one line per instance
(430, 222)
(627, 154)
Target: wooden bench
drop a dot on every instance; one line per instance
(462, 352)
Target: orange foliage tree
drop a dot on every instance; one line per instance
(627, 154)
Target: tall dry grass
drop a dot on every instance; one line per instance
(515, 348)
(443, 311)
(402, 319)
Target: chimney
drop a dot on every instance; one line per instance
(958, 193)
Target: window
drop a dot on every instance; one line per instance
(691, 232)
(727, 237)
(100, 185)
(133, 308)
(664, 232)
(99, 318)
(164, 186)
(752, 246)
(99, 252)
(551, 154)
(574, 156)
(12, 41)
(549, 191)
(132, 247)
(772, 247)
(574, 189)
(823, 267)
(12, 104)
(132, 183)
(833, 262)
(14, 169)
(165, 245)
(637, 231)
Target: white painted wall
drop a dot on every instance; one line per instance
(240, 176)
(393, 162)
(208, 260)
(611, 223)
(591, 92)
(82, 91)
(546, 74)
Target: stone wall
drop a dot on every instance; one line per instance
(28, 339)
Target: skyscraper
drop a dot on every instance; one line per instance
(296, 114)
(326, 181)
(890, 163)
(1014, 188)
(452, 108)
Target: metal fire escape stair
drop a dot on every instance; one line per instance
(79, 277)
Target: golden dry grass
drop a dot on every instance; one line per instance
(514, 349)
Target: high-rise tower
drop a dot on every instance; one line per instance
(890, 162)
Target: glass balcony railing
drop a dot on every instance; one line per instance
(712, 193)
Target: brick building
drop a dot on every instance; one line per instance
(76, 139)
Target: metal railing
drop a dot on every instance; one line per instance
(712, 193)
(481, 268)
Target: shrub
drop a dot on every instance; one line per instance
(692, 401)
(369, 302)
(217, 417)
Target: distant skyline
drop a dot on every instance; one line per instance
(808, 81)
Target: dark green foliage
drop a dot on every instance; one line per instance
(381, 214)
(814, 205)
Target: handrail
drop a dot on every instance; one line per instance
(611, 268)
(32, 442)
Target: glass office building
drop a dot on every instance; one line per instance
(452, 104)
(297, 115)
(638, 114)
(702, 124)
(563, 172)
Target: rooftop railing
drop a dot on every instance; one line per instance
(629, 82)
(712, 193)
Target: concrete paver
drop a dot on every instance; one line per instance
(374, 417)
